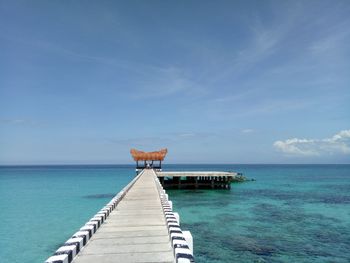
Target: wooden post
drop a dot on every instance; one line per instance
(196, 182)
(161, 179)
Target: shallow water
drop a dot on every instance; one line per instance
(42, 207)
(290, 213)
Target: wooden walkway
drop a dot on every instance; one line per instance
(135, 231)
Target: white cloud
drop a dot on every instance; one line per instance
(247, 131)
(339, 143)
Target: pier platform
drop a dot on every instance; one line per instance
(196, 179)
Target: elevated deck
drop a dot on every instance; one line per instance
(136, 231)
(196, 179)
(195, 174)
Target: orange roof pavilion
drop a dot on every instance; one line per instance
(148, 156)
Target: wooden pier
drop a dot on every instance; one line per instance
(138, 225)
(196, 180)
(181, 180)
(136, 231)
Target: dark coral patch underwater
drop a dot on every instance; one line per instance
(278, 218)
(99, 196)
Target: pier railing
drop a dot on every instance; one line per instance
(67, 252)
(181, 241)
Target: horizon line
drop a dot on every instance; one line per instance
(131, 164)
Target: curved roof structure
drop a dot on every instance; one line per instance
(148, 156)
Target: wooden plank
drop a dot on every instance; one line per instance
(135, 231)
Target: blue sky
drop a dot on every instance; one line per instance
(214, 81)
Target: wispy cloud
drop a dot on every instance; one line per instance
(337, 144)
(164, 139)
(62, 50)
(161, 82)
(328, 43)
(263, 44)
(18, 122)
(334, 39)
(148, 80)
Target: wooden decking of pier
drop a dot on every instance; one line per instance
(135, 231)
(196, 179)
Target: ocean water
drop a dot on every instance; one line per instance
(41, 207)
(291, 213)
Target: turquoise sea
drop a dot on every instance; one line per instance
(291, 213)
